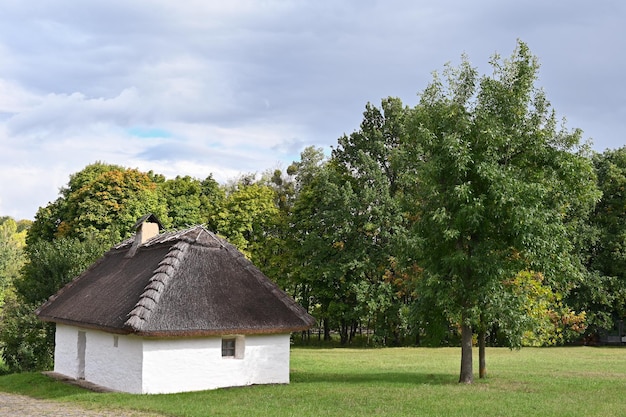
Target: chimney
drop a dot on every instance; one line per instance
(146, 231)
(146, 228)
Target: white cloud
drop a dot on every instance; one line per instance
(58, 114)
(14, 99)
(229, 87)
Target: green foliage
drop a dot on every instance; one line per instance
(183, 201)
(53, 264)
(540, 317)
(46, 222)
(212, 200)
(346, 227)
(12, 257)
(14, 330)
(499, 186)
(369, 165)
(601, 297)
(249, 210)
(603, 292)
(382, 312)
(111, 203)
(27, 343)
(190, 201)
(274, 255)
(322, 219)
(376, 148)
(101, 200)
(305, 170)
(610, 214)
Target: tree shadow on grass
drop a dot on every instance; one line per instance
(404, 378)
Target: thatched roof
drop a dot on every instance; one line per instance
(187, 283)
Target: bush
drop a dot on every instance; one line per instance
(27, 343)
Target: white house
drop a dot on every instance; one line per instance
(173, 312)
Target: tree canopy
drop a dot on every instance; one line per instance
(497, 184)
(603, 291)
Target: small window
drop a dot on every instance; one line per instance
(233, 347)
(116, 340)
(229, 347)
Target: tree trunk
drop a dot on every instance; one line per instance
(353, 329)
(482, 364)
(467, 372)
(326, 330)
(343, 332)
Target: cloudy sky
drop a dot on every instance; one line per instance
(201, 87)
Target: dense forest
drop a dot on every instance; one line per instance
(473, 218)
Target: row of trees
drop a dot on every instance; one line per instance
(473, 217)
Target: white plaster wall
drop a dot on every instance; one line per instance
(193, 364)
(153, 366)
(268, 357)
(118, 368)
(66, 350)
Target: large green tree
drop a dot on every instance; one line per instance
(326, 246)
(295, 262)
(101, 199)
(603, 293)
(497, 186)
(372, 161)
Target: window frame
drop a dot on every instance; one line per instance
(233, 347)
(229, 347)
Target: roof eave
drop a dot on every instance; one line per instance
(84, 325)
(219, 332)
(176, 333)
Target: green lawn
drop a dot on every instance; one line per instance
(573, 381)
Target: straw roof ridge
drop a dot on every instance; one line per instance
(125, 243)
(156, 285)
(183, 234)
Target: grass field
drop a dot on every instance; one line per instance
(572, 381)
